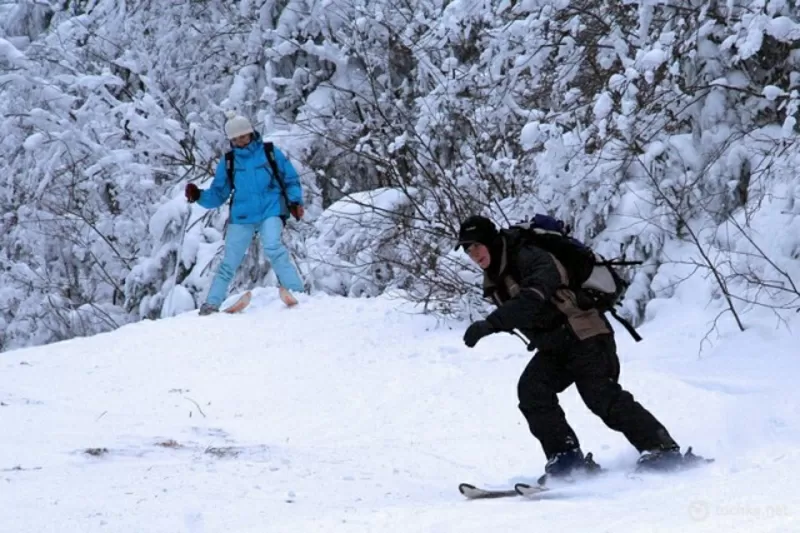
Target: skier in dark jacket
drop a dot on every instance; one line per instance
(575, 345)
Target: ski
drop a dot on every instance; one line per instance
(240, 304)
(286, 297)
(472, 492)
(534, 492)
(531, 492)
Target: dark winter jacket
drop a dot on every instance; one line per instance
(529, 286)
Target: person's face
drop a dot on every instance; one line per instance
(242, 140)
(480, 254)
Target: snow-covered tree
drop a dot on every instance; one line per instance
(643, 124)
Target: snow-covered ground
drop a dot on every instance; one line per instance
(356, 415)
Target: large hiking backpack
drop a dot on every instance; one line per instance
(588, 272)
(268, 146)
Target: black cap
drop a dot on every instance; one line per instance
(476, 229)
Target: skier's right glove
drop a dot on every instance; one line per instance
(192, 193)
(476, 331)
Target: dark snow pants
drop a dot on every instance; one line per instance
(593, 366)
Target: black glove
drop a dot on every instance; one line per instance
(297, 211)
(192, 193)
(476, 331)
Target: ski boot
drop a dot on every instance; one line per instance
(208, 309)
(562, 465)
(669, 460)
(690, 459)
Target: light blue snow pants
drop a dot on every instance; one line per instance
(237, 241)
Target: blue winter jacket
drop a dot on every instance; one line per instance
(257, 193)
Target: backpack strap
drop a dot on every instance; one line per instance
(625, 324)
(229, 171)
(612, 311)
(618, 262)
(268, 151)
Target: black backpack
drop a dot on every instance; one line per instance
(588, 272)
(275, 172)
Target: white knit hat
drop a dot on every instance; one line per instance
(237, 125)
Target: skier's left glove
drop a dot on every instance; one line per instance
(476, 331)
(297, 211)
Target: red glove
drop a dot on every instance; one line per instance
(297, 211)
(192, 193)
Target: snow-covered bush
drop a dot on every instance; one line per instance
(643, 124)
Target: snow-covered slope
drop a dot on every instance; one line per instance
(355, 415)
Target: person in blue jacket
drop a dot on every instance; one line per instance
(258, 205)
